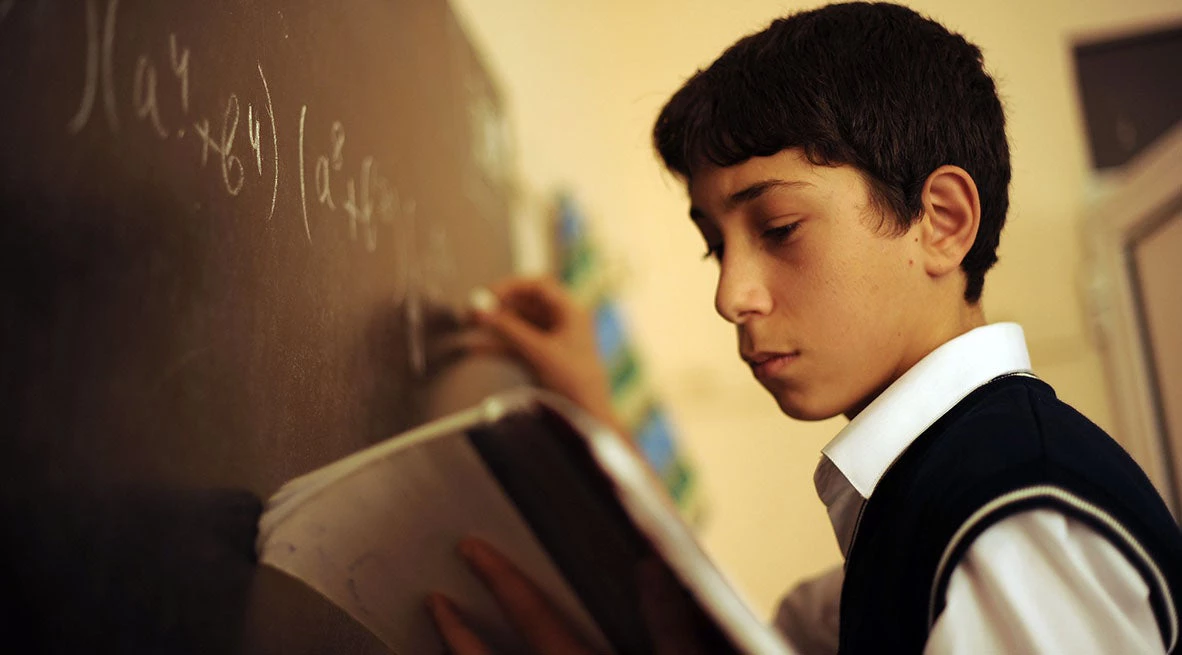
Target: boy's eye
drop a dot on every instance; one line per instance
(780, 233)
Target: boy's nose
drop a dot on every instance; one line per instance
(741, 293)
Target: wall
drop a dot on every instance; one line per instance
(584, 81)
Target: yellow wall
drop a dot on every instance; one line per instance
(583, 82)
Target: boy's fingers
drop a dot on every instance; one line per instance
(526, 607)
(487, 344)
(543, 287)
(522, 336)
(541, 301)
(460, 639)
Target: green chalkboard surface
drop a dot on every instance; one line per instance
(225, 229)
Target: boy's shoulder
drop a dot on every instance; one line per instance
(1008, 447)
(1011, 433)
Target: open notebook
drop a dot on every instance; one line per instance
(569, 501)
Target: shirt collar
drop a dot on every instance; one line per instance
(878, 435)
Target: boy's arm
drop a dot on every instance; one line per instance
(1040, 582)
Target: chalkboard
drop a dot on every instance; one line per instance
(230, 232)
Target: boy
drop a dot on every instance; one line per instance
(848, 169)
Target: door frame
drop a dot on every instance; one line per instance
(1133, 201)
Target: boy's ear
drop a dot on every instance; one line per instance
(952, 214)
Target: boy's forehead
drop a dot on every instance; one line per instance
(716, 189)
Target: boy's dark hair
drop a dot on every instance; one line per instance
(875, 86)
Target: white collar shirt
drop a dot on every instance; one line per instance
(1035, 559)
(857, 458)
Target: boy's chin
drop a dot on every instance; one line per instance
(803, 408)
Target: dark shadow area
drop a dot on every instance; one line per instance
(132, 570)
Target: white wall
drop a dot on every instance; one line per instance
(583, 82)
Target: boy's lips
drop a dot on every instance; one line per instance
(766, 364)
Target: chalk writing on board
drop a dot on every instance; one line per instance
(303, 183)
(233, 174)
(99, 53)
(180, 68)
(234, 138)
(107, 67)
(274, 142)
(90, 87)
(438, 263)
(368, 199)
(323, 180)
(490, 153)
(254, 136)
(144, 95)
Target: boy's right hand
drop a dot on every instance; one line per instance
(542, 324)
(666, 608)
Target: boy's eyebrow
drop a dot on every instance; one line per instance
(751, 192)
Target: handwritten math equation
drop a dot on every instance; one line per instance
(239, 140)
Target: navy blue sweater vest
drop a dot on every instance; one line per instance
(1009, 446)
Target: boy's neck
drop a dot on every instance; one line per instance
(968, 317)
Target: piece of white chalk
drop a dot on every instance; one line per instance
(483, 300)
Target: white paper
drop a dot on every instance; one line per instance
(380, 534)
